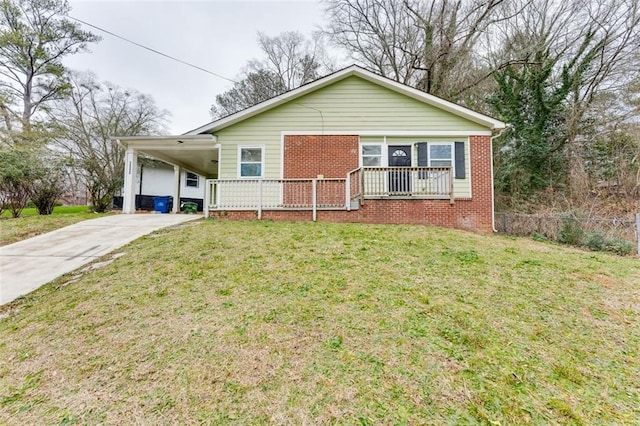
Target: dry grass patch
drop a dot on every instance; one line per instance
(299, 323)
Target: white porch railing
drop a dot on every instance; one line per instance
(274, 194)
(430, 182)
(328, 194)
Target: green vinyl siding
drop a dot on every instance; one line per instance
(349, 104)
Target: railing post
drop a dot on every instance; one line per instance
(207, 197)
(638, 231)
(361, 181)
(450, 186)
(259, 199)
(314, 198)
(347, 190)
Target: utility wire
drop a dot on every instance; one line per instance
(186, 63)
(152, 50)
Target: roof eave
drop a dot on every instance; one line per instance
(192, 141)
(458, 110)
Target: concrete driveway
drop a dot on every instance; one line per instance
(28, 264)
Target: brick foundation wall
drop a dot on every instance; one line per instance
(474, 214)
(421, 212)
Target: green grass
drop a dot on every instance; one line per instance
(262, 322)
(32, 211)
(30, 224)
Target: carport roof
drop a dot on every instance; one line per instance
(196, 153)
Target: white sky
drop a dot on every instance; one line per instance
(216, 35)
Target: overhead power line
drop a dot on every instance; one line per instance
(189, 64)
(173, 58)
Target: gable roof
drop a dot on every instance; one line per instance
(353, 70)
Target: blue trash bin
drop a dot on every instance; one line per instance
(161, 204)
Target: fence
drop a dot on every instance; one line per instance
(625, 229)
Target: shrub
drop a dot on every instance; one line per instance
(536, 236)
(571, 231)
(18, 172)
(48, 187)
(619, 246)
(595, 242)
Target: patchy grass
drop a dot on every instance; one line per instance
(30, 224)
(297, 323)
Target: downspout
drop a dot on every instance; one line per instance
(493, 200)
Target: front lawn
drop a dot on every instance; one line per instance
(30, 224)
(306, 323)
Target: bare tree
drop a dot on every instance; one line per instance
(88, 119)
(426, 44)
(293, 58)
(290, 61)
(34, 38)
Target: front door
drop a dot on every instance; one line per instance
(400, 180)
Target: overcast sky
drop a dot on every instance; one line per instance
(216, 35)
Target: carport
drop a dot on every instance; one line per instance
(194, 153)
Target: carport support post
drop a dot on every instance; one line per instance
(130, 178)
(176, 189)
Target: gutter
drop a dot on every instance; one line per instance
(493, 200)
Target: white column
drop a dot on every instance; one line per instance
(314, 199)
(207, 197)
(176, 189)
(130, 181)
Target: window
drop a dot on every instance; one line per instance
(440, 155)
(251, 160)
(443, 154)
(191, 180)
(372, 155)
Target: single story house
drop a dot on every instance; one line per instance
(349, 147)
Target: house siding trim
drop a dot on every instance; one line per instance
(391, 133)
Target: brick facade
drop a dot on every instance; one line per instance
(335, 156)
(307, 156)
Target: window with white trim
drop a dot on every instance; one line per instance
(371, 155)
(251, 163)
(443, 154)
(191, 179)
(440, 155)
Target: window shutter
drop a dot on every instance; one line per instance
(423, 154)
(423, 158)
(459, 152)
